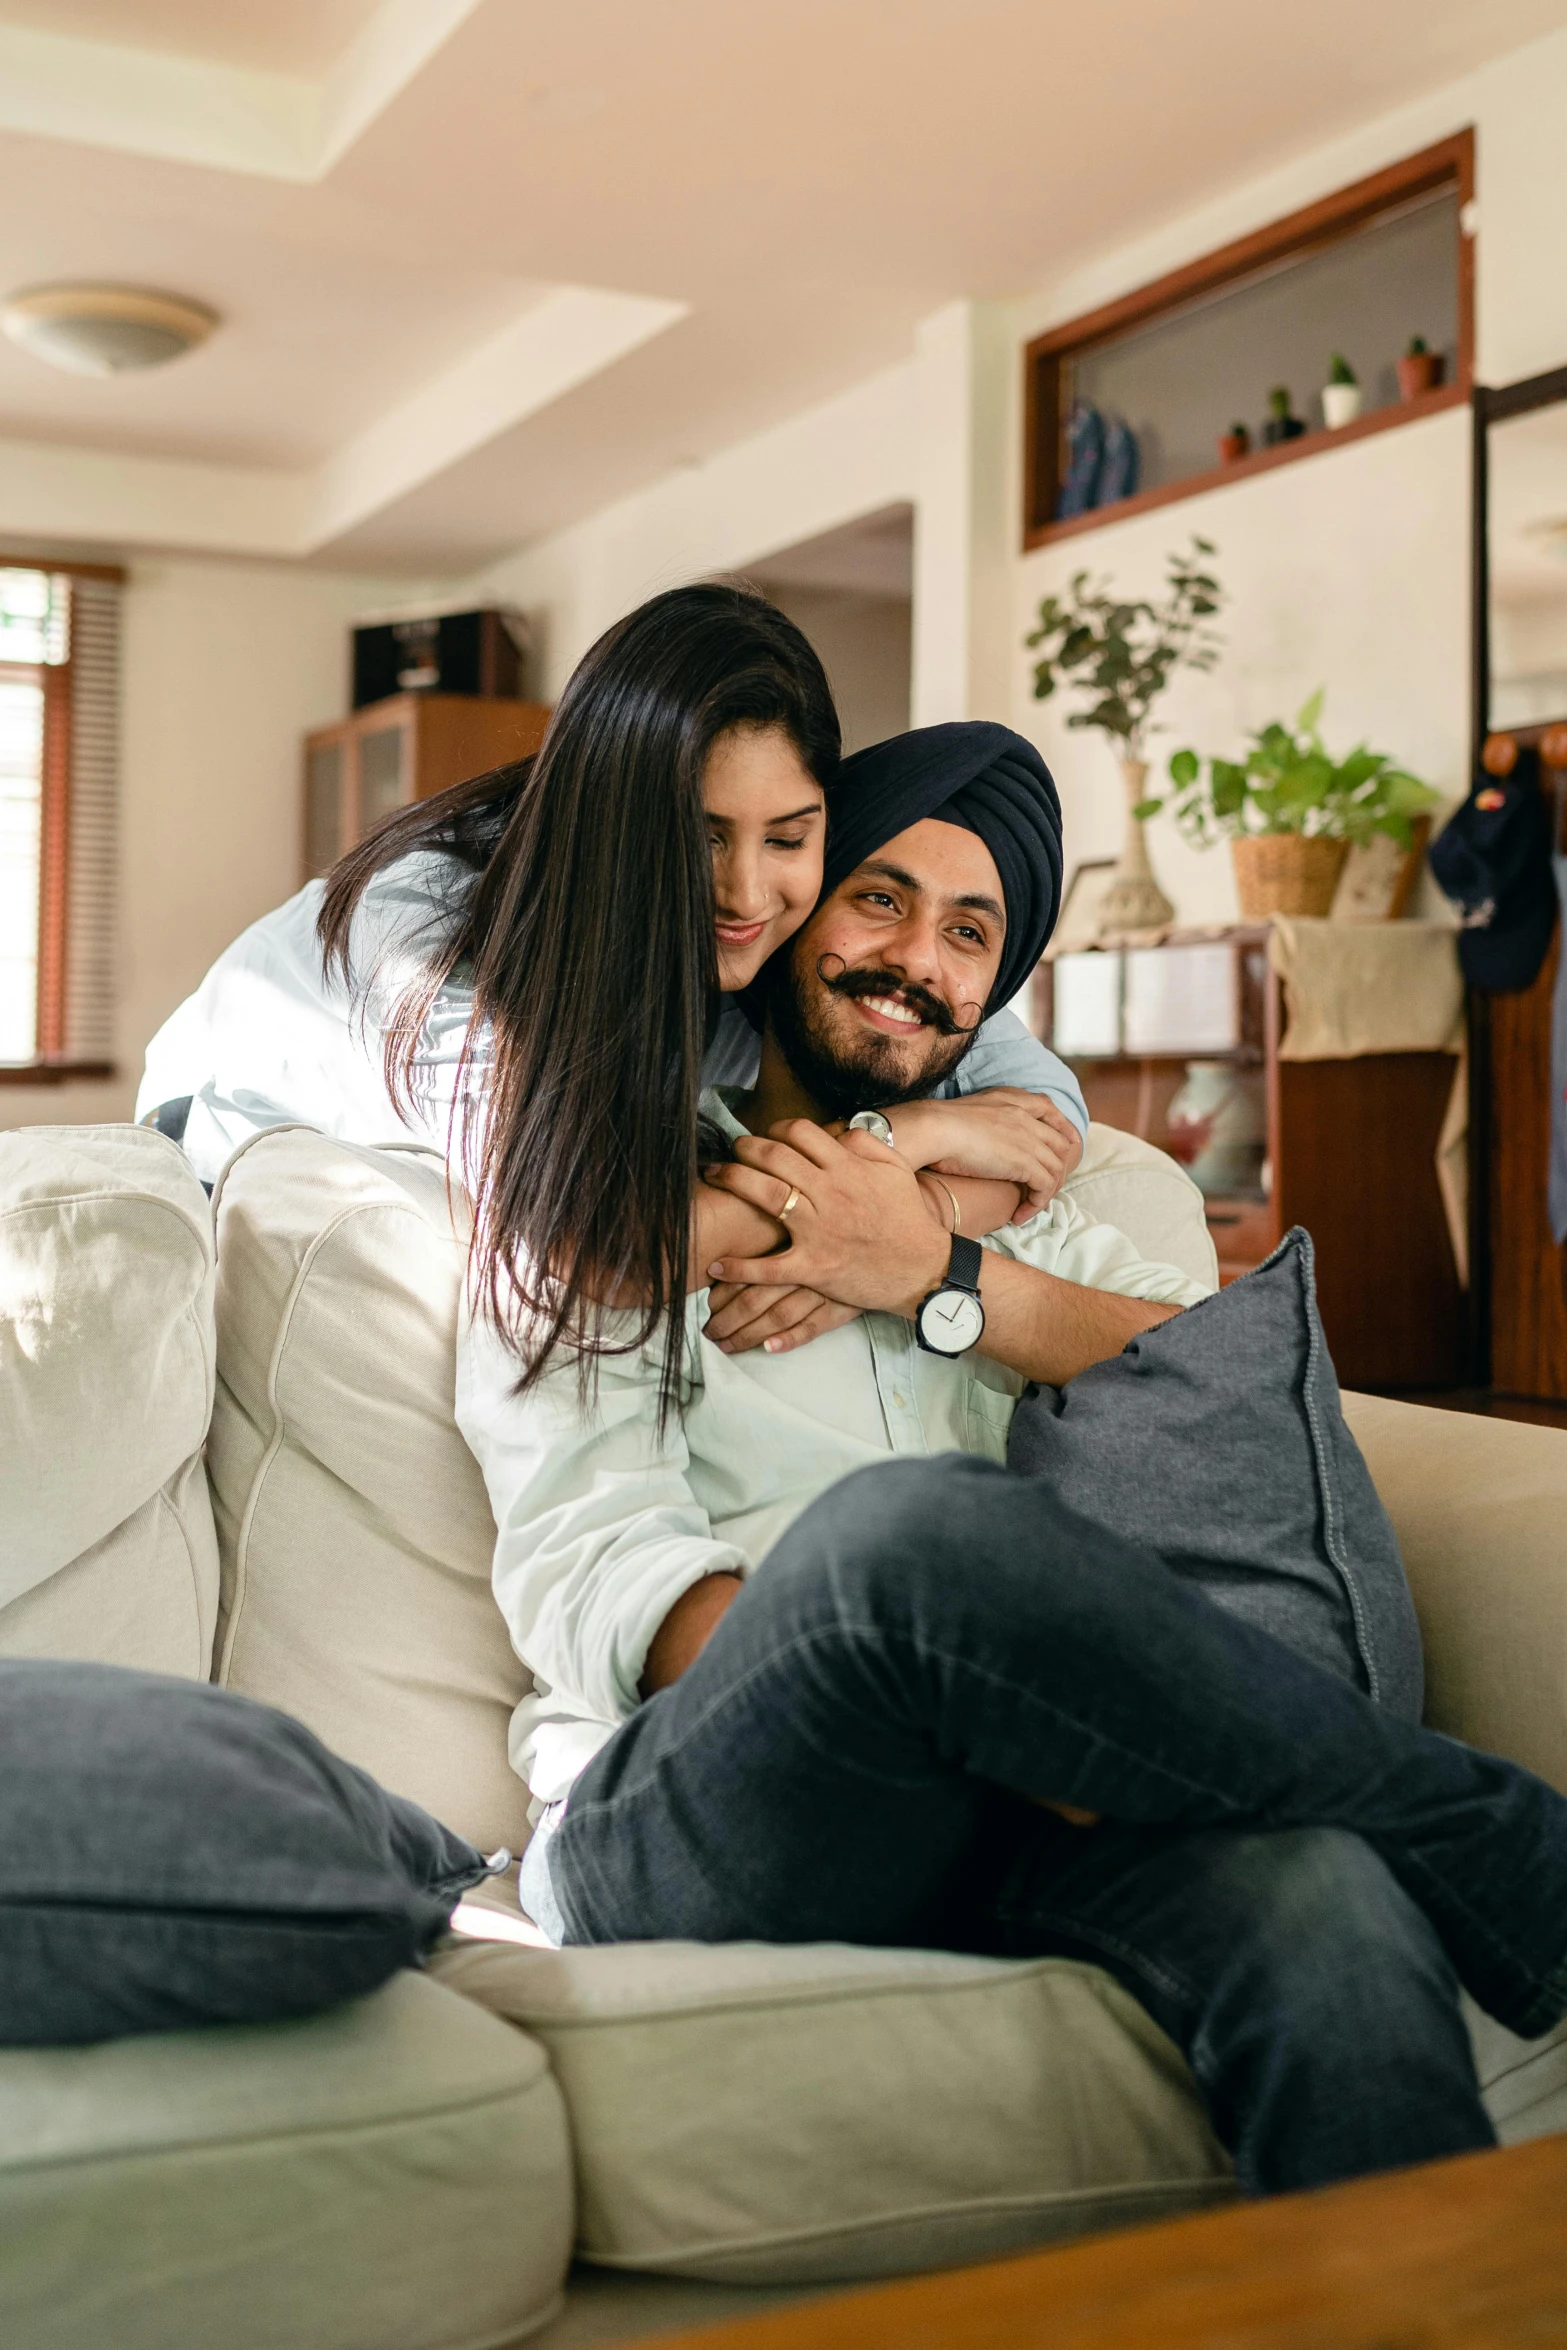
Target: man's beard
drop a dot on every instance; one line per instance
(866, 1074)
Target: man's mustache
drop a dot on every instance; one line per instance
(860, 981)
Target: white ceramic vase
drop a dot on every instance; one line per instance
(1340, 405)
(1133, 902)
(1217, 1126)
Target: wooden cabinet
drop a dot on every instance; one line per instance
(397, 751)
(1351, 1155)
(1527, 1267)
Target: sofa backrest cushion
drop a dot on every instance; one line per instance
(354, 1529)
(106, 1378)
(1141, 1190)
(353, 1525)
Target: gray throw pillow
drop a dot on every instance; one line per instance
(1218, 1440)
(172, 1854)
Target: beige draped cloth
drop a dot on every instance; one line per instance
(1353, 988)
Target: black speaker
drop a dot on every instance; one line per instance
(450, 653)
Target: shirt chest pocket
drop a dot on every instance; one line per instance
(990, 1412)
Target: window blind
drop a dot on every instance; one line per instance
(59, 706)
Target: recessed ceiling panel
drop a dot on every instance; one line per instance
(280, 36)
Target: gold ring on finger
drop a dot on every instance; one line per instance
(790, 1204)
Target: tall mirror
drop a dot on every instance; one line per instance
(1520, 701)
(1521, 481)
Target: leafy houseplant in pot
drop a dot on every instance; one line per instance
(1291, 812)
(1122, 655)
(1340, 394)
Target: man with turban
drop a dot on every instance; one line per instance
(809, 1664)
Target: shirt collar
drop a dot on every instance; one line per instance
(716, 1106)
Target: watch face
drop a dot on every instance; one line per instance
(951, 1322)
(873, 1122)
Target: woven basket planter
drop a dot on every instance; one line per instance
(1286, 873)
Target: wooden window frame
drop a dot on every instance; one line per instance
(50, 1064)
(1448, 164)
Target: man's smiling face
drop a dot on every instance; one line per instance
(888, 981)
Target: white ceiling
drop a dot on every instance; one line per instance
(484, 265)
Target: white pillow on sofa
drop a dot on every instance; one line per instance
(353, 1524)
(106, 1373)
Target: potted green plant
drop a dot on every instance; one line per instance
(1281, 424)
(1340, 394)
(1291, 811)
(1122, 654)
(1234, 444)
(1420, 369)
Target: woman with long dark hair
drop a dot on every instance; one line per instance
(527, 970)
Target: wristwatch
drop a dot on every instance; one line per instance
(951, 1319)
(873, 1122)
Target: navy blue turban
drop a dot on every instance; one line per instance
(980, 776)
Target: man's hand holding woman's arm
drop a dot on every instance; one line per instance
(1002, 1136)
(861, 1232)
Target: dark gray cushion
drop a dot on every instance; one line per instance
(172, 1854)
(1218, 1440)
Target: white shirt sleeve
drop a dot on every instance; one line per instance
(1075, 1247)
(597, 1530)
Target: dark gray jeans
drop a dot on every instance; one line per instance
(1292, 1882)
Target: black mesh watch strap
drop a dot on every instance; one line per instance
(964, 1263)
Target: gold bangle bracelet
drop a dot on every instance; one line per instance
(957, 1220)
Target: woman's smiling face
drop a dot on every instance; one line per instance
(767, 820)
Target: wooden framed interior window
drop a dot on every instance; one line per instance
(59, 694)
(1181, 360)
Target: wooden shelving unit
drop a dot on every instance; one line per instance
(405, 748)
(1199, 291)
(1351, 1155)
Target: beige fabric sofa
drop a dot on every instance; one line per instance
(416, 2170)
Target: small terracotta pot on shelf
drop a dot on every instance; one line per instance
(1418, 371)
(1234, 445)
(1286, 873)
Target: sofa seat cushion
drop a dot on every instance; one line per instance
(107, 1551)
(394, 2175)
(353, 1524)
(815, 2113)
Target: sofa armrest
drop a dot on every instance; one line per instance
(1480, 1509)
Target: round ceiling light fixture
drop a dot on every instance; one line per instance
(105, 330)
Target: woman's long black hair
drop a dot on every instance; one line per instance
(588, 934)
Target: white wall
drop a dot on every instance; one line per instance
(853, 455)
(223, 667)
(864, 643)
(1348, 571)
(1351, 569)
